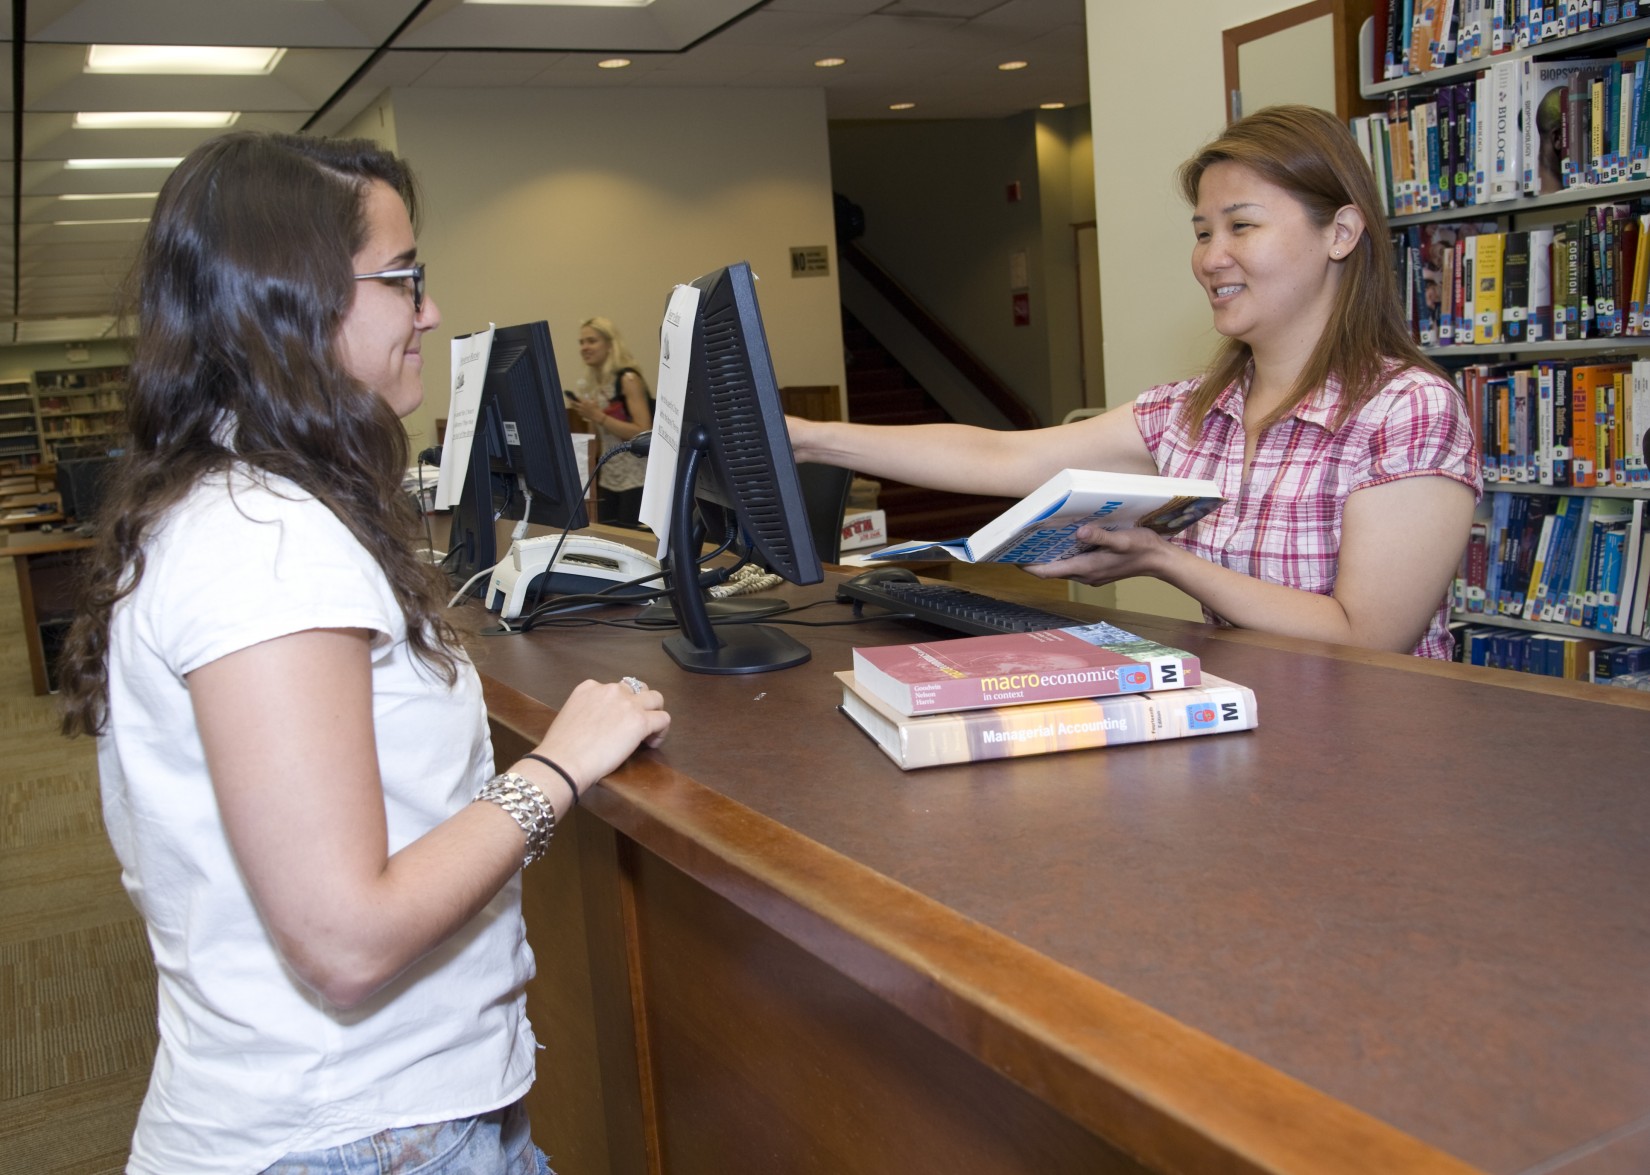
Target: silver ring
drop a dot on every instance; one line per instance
(636, 685)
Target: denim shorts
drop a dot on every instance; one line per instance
(496, 1143)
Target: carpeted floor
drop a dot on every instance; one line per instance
(77, 988)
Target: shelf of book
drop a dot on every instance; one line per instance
(20, 442)
(1612, 491)
(1611, 34)
(1547, 627)
(1578, 194)
(1625, 345)
(79, 405)
(1577, 125)
(1556, 409)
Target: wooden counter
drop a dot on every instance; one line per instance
(47, 563)
(1402, 926)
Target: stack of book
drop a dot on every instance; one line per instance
(993, 697)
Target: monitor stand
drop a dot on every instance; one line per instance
(698, 646)
(662, 613)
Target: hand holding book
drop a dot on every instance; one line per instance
(1043, 525)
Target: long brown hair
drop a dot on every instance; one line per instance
(1309, 154)
(242, 283)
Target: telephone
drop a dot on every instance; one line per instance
(586, 564)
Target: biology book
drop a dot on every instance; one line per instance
(1042, 526)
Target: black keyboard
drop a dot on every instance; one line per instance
(952, 607)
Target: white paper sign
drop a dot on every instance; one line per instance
(675, 356)
(470, 354)
(581, 455)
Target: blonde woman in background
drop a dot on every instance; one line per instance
(613, 398)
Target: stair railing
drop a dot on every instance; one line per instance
(967, 364)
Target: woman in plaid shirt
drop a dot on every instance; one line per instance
(1347, 460)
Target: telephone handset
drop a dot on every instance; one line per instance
(586, 564)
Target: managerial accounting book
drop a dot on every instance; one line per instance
(1042, 526)
(1007, 732)
(1011, 669)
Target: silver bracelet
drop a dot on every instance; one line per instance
(527, 806)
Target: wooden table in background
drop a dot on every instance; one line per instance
(46, 563)
(1402, 926)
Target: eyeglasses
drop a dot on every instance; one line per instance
(416, 273)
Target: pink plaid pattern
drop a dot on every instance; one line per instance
(1284, 524)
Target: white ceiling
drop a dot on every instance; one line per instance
(57, 280)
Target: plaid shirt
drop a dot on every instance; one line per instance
(1283, 525)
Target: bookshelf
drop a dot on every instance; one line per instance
(19, 424)
(1429, 137)
(79, 406)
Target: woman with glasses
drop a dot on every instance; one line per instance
(296, 770)
(613, 399)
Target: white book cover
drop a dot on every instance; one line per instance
(1637, 426)
(1506, 155)
(1481, 139)
(1042, 526)
(1539, 305)
(1632, 587)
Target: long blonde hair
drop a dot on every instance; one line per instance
(618, 354)
(1309, 154)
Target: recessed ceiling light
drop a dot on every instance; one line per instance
(1052, 106)
(831, 62)
(1009, 65)
(181, 59)
(903, 106)
(122, 220)
(118, 164)
(132, 120)
(610, 63)
(109, 196)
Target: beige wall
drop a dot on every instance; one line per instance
(561, 204)
(1155, 317)
(1065, 168)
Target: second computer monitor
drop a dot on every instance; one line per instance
(521, 457)
(735, 454)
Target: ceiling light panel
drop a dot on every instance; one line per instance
(150, 120)
(139, 164)
(332, 24)
(221, 60)
(83, 206)
(56, 80)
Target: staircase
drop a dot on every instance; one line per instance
(880, 391)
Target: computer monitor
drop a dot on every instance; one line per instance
(521, 439)
(80, 483)
(734, 455)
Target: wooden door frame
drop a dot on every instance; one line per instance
(1347, 16)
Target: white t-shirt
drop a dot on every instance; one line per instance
(252, 1064)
